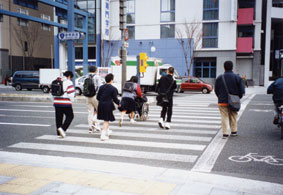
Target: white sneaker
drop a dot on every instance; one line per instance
(108, 132)
(103, 136)
(167, 125)
(97, 127)
(161, 123)
(61, 132)
(132, 121)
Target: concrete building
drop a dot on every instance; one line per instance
(231, 30)
(25, 45)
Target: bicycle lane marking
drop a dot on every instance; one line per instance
(208, 158)
(269, 159)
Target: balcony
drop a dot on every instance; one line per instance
(244, 45)
(245, 16)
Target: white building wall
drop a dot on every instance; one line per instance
(147, 19)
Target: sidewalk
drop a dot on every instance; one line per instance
(81, 99)
(36, 174)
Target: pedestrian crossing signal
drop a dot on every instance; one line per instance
(143, 62)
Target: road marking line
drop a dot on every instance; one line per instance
(192, 116)
(208, 158)
(154, 130)
(17, 116)
(25, 124)
(173, 125)
(107, 152)
(156, 136)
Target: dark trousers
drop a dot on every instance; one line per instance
(167, 109)
(59, 115)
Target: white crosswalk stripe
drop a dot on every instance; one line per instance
(195, 122)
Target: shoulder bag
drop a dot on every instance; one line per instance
(234, 102)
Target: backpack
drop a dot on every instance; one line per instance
(128, 87)
(89, 87)
(57, 87)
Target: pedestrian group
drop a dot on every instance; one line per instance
(100, 104)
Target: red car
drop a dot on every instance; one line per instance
(195, 84)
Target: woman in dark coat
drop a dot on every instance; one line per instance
(107, 94)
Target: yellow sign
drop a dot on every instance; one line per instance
(143, 62)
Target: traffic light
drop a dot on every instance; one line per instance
(122, 14)
(143, 62)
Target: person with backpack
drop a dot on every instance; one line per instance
(131, 90)
(166, 87)
(231, 83)
(90, 88)
(107, 94)
(63, 94)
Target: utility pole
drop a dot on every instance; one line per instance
(123, 50)
(71, 49)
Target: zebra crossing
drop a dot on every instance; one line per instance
(195, 122)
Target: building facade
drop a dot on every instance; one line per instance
(25, 45)
(231, 30)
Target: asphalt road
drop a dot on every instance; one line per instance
(257, 134)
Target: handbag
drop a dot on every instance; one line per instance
(234, 102)
(162, 98)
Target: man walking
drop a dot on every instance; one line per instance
(92, 102)
(63, 105)
(235, 87)
(276, 88)
(166, 86)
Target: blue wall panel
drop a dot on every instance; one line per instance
(167, 49)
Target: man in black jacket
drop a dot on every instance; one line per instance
(235, 87)
(276, 88)
(167, 84)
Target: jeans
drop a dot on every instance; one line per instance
(59, 115)
(167, 109)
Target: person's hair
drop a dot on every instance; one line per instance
(134, 79)
(92, 69)
(109, 77)
(68, 73)
(171, 70)
(228, 65)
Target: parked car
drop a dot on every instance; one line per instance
(80, 84)
(195, 84)
(25, 80)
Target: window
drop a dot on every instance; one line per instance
(245, 31)
(277, 3)
(79, 53)
(33, 4)
(210, 9)
(205, 68)
(131, 32)
(130, 11)
(246, 3)
(1, 15)
(167, 30)
(22, 22)
(167, 11)
(45, 26)
(210, 35)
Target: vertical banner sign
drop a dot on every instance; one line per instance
(105, 19)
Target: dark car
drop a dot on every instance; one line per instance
(25, 80)
(195, 84)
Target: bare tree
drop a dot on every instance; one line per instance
(26, 38)
(189, 39)
(112, 45)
